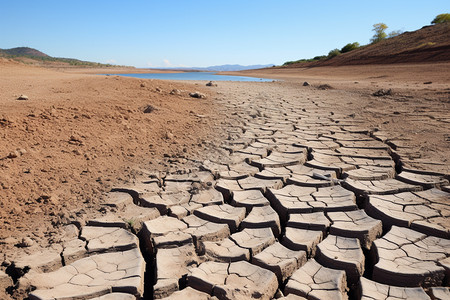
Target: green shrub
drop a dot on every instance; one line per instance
(333, 53)
(442, 18)
(349, 47)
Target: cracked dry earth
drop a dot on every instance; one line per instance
(299, 201)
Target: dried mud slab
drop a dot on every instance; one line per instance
(302, 239)
(263, 217)
(253, 239)
(279, 159)
(224, 251)
(425, 211)
(236, 280)
(369, 290)
(93, 276)
(356, 224)
(342, 253)
(425, 179)
(410, 258)
(222, 214)
(280, 260)
(189, 294)
(314, 281)
(380, 187)
(313, 221)
(101, 239)
(249, 199)
(202, 230)
(171, 265)
(159, 227)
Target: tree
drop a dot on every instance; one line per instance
(350, 47)
(380, 32)
(442, 18)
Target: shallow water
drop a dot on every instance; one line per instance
(208, 76)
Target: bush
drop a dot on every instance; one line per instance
(442, 18)
(333, 53)
(349, 47)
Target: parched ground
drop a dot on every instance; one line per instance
(78, 135)
(322, 191)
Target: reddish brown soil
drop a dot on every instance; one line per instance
(428, 44)
(78, 135)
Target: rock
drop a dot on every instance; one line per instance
(22, 97)
(211, 84)
(175, 92)
(306, 83)
(382, 92)
(26, 242)
(148, 109)
(13, 154)
(5, 281)
(197, 95)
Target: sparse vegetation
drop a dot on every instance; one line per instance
(442, 18)
(394, 33)
(349, 47)
(333, 53)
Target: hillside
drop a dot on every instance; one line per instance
(428, 44)
(22, 51)
(35, 57)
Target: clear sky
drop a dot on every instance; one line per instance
(172, 33)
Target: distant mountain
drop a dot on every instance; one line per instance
(23, 51)
(224, 68)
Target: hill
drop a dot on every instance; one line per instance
(22, 51)
(428, 44)
(35, 57)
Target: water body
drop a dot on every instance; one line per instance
(208, 76)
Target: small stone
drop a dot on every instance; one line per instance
(26, 242)
(22, 97)
(13, 154)
(148, 109)
(382, 92)
(175, 92)
(197, 95)
(306, 83)
(211, 84)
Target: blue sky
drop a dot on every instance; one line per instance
(170, 33)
